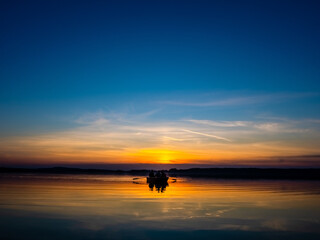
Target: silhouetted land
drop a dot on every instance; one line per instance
(223, 173)
(249, 173)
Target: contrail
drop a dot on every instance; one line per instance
(207, 135)
(174, 139)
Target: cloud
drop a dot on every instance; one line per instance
(239, 100)
(222, 102)
(221, 123)
(174, 139)
(207, 135)
(280, 126)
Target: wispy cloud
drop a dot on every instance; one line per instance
(218, 102)
(239, 100)
(207, 135)
(280, 126)
(221, 123)
(174, 139)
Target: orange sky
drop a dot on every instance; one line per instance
(106, 141)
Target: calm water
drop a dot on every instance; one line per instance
(118, 207)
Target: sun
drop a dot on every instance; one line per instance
(166, 157)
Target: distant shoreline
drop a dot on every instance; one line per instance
(218, 173)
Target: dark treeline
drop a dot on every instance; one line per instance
(67, 170)
(226, 173)
(250, 173)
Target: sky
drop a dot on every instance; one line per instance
(182, 83)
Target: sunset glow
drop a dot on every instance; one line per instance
(107, 139)
(160, 119)
(181, 84)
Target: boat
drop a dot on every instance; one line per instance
(157, 179)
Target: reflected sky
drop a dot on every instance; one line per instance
(118, 207)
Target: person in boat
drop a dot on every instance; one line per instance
(151, 174)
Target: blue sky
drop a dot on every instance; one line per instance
(160, 63)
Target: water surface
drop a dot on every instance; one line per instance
(118, 207)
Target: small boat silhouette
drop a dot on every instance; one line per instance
(160, 180)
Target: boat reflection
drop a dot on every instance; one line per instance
(158, 186)
(155, 184)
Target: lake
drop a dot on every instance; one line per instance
(44, 206)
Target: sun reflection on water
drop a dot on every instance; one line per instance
(104, 202)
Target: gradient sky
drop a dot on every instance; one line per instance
(228, 83)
